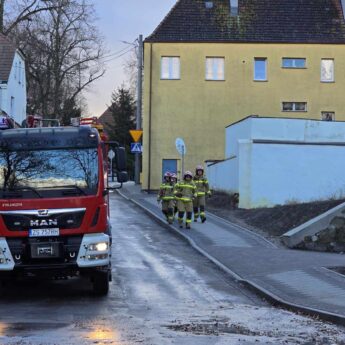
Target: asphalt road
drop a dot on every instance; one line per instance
(163, 292)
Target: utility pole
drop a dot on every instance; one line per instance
(139, 105)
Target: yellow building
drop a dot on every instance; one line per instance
(212, 63)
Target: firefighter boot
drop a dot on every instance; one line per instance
(180, 219)
(202, 214)
(188, 220)
(196, 214)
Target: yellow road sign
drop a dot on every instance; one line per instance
(136, 134)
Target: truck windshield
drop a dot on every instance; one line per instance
(47, 173)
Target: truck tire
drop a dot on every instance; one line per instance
(101, 283)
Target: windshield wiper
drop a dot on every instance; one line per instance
(11, 194)
(82, 191)
(26, 188)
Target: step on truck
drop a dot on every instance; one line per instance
(54, 204)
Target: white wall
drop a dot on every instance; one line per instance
(283, 174)
(308, 168)
(13, 99)
(240, 130)
(223, 176)
(283, 129)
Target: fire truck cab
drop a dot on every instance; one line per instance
(54, 204)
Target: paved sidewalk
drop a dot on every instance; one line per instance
(295, 278)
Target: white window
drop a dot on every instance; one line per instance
(327, 70)
(215, 68)
(294, 63)
(260, 69)
(328, 116)
(12, 111)
(294, 106)
(170, 67)
(20, 72)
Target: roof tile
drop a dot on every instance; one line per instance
(7, 51)
(291, 21)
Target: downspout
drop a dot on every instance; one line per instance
(150, 122)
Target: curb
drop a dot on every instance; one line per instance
(260, 291)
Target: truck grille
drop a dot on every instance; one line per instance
(23, 221)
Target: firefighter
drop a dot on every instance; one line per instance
(166, 197)
(203, 190)
(185, 192)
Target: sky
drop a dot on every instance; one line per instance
(118, 21)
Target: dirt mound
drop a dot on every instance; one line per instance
(273, 221)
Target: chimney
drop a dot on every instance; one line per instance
(234, 7)
(343, 6)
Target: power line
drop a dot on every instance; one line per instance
(122, 50)
(117, 57)
(115, 53)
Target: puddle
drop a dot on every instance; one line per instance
(24, 328)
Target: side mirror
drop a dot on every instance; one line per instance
(122, 176)
(121, 161)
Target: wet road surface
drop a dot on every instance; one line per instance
(163, 292)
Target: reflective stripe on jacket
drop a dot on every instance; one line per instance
(166, 192)
(202, 185)
(185, 191)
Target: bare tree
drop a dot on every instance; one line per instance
(64, 54)
(20, 11)
(131, 70)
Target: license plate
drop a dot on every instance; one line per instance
(44, 232)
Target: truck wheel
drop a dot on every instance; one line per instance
(101, 283)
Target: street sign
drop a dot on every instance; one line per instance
(136, 148)
(181, 149)
(136, 134)
(180, 146)
(111, 154)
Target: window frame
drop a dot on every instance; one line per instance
(170, 77)
(328, 112)
(294, 107)
(266, 69)
(214, 72)
(333, 71)
(294, 67)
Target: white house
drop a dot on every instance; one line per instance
(12, 80)
(277, 161)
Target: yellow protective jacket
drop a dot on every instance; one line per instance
(202, 185)
(166, 192)
(185, 191)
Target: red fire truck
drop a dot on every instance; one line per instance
(54, 207)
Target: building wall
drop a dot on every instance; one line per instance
(198, 110)
(224, 176)
(282, 161)
(283, 174)
(13, 99)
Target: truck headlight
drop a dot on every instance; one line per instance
(98, 247)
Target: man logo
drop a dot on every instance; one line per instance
(43, 213)
(43, 222)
